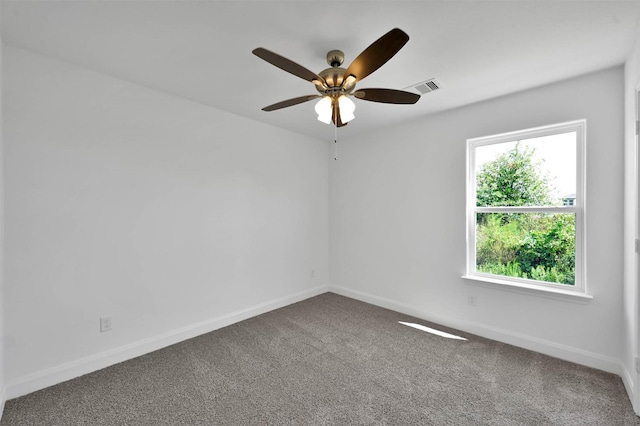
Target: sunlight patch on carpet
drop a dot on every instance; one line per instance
(432, 331)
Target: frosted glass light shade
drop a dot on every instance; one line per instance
(324, 110)
(346, 109)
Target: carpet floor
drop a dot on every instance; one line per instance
(331, 360)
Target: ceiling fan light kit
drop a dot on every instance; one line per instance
(324, 109)
(346, 108)
(336, 85)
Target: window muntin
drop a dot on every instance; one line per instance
(536, 238)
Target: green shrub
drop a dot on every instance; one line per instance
(527, 245)
(552, 275)
(511, 269)
(551, 246)
(497, 242)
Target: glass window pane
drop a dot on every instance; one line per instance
(535, 246)
(530, 172)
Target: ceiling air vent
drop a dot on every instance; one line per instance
(427, 86)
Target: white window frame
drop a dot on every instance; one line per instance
(578, 208)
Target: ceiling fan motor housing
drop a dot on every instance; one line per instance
(335, 76)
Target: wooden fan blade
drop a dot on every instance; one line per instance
(290, 102)
(387, 96)
(376, 55)
(288, 66)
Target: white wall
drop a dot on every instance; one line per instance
(631, 303)
(172, 217)
(2, 333)
(397, 221)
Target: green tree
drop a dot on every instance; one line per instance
(513, 179)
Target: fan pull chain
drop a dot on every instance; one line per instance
(335, 142)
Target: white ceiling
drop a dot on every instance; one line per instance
(202, 50)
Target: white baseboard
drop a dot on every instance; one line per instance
(568, 353)
(3, 399)
(51, 376)
(627, 380)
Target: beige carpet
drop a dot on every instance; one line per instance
(331, 360)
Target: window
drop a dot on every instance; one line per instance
(525, 208)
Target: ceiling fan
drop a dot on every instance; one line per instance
(337, 84)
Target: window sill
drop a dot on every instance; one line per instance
(548, 292)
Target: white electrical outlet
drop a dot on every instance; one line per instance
(473, 301)
(105, 324)
(312, 274)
